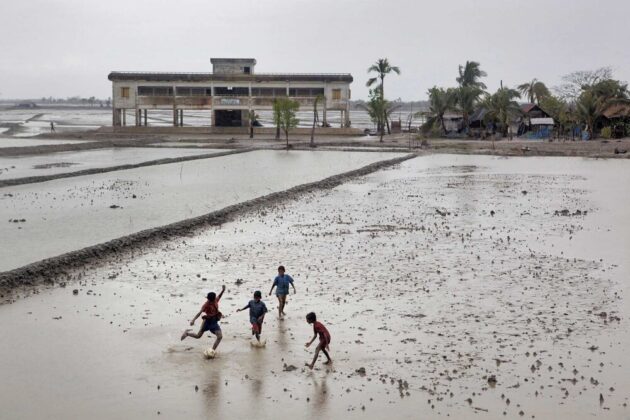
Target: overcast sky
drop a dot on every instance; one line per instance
(67, 47)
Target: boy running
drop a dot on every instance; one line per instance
(324, 339)
(257, 311)
(281, 282)
(211, 318)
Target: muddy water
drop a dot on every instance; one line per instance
(432, 276)
(65, 162)
(51, 218)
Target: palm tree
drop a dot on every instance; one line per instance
(382, 68)
(534, 91)
(467, 98)
(469, 75)
(379, 110)
(440, 101)
(315, 117)
(502, 107)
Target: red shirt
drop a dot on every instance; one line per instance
(211, 309)
(324, 335)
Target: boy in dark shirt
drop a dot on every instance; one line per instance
(324, 339)
(211, 317)
(257, 311)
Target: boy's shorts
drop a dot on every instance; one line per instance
(211, 325)
(256, 326)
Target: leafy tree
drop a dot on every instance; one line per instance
(534, 91)
(440, 101)
(284, 114)
(469, 75)
(502, 107)
(379, 110)
(382, 68)
(559, 110)
(318, 98)
(573, 84)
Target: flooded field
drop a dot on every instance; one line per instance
(50, 218)
(64, 162)
(453, 286)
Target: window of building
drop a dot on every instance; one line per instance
(193, 91)
(306, 91)
(269, 92)
(336, 94)
(155, 91)
(124, 92)
(231, 91)
(247, 70)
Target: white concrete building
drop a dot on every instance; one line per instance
(229, 93)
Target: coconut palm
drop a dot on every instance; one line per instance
(440, 101)
(502, 107)
(535, 91)
(467, 98)
(382, 68)
(469, 75)
(379, 110)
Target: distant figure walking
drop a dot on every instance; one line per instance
(52, 127)
(281, 283)
(211, 318)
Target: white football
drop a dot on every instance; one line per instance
(209, 353)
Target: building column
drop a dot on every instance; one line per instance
(181, 117)
(138, 116)
(324, 121)
(124, 117)
(174, 117)
(145, 117)
(116, 117)
(342, 119)
(347, 116)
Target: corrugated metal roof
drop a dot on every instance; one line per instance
(542, 121)
(527, 107)
(236, 77)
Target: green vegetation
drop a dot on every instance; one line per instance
(382, 68)
(440, 101)
(284, 110)
(534, 91)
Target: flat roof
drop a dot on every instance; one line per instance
(130, 76)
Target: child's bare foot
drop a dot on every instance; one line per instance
(185, 334)
(328, 362)
(309, 366)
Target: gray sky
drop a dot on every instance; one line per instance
(67, 47)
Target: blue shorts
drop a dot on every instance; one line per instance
(211, 325)
(282, 292)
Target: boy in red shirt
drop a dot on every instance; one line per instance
(324, 339)
(210, 320)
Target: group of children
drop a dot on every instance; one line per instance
(211, 315)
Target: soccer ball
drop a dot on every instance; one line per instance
(209, 353)
(256, 343)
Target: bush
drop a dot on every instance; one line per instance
(606, 132)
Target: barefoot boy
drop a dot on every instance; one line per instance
(281, 283)
(324, 339)
(211, 318)
(257, 311)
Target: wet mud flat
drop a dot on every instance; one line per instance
(26, 142)
(47, 219)
(453, 286)
(62, 162)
